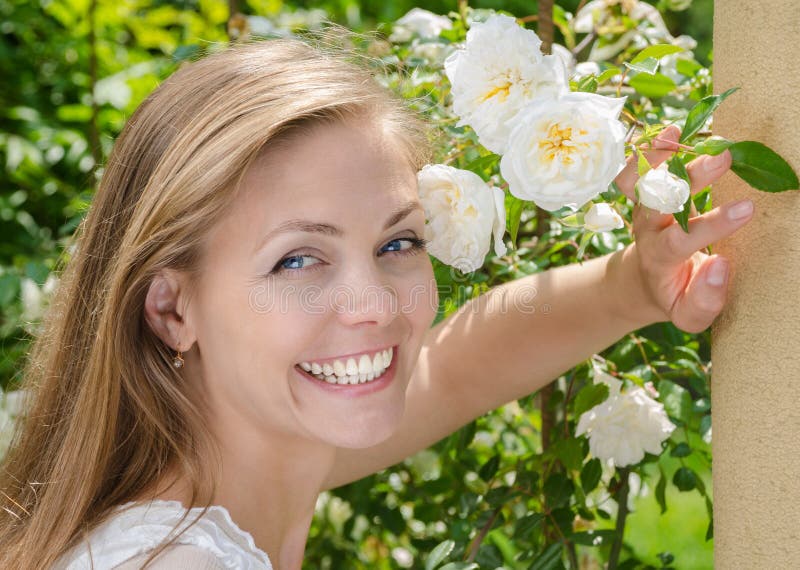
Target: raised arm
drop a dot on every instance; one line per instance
(495, 349)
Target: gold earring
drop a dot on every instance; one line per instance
(177, 362)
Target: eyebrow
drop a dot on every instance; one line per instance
(398, 215)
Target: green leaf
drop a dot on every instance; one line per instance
(549, 559)
(460, 566)
(489, 468)
(677, 401)
(684, 479)
(681, 450)
(687, 67)
(656, 51)
(608, 74)
(762, 168)
(653, 86)
(514, 207)
(588, 84)
(712, 145)
(525, 525)
(570, 452)
(589, 396)
(590, 475)
(439, 554)
(699, 114)
(558, 489)
(585, 239)
(489, 556)
(661, 492)
(676, 167)
(642, 166)
(647, 65)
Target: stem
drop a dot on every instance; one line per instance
(584, 42)
(472, 549)
(546, 28)
(94, 133)
(233, 10)
(622, 514)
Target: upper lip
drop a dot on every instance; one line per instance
(354, 355)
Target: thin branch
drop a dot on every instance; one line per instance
(94, 132)
(622, 515)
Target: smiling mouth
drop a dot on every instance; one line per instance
(362, 370)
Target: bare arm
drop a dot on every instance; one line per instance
(495, 349)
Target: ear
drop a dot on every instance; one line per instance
(164, 309)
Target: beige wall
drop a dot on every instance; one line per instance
(756, 340)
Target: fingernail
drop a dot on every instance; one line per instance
(712, 163)
(717, 273)
(740, 209)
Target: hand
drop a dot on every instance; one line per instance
(684, 285)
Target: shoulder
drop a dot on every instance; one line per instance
(207, 540)
(176, 557)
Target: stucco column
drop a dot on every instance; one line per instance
(756, 340)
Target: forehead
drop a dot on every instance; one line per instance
(332, 164)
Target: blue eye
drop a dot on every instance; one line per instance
(294, 263)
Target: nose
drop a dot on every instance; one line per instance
(364, 296)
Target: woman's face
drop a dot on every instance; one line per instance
(315, 266)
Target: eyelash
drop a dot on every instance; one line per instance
(417, 245)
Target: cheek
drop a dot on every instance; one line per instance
(418, 297)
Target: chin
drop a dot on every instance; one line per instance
(361, 430)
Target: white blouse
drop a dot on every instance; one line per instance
(134, 529)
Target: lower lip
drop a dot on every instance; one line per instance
(355, 390)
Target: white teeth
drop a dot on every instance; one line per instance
(364, 365)
(339, 369)
(365, 369)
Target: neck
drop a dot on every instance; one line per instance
(269, 484)
(271, 490)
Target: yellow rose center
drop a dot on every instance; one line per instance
(559, 144)
(501, 91)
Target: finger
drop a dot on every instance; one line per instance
(664, 145)
(706, 169)
(704, 296)
(675, 245)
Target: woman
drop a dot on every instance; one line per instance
(245, 320)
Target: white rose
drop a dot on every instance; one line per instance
(602, 218)
(661, 190)
(419, 22)
(498, 71)
(565, 151)
(463, 213)
(626, 425)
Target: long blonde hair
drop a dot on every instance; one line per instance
(107, 412)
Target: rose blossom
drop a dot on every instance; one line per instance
(626, 425)
(602, 218)
(661, 190)
(500, 69)
(565, 151)
(462, 213)
(423, 23)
